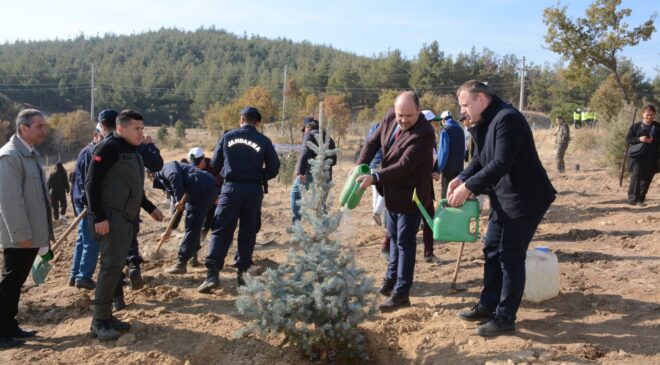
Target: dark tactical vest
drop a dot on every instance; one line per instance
(123, 187)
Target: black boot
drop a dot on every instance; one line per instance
(135, 276)
(387, 287)
(85, 283)
(495, 327)
(395, 302)
(102, 328)
(239, 277)
(18, 332)
(178, 268)
(8, 342)
(119, 325)
(476, 313)
(194, 261)
(118, 302)
(211, 282)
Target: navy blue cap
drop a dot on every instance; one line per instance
(251, 113)
(307, 121)
(108, 114)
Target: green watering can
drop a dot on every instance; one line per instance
(351, 194)
(452, 224)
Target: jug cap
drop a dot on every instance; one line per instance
(542, 248)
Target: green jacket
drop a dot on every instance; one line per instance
(562, 134)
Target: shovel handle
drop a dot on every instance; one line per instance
(457, 267)
(66, 233)
(170, 227)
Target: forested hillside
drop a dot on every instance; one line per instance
(173, 74)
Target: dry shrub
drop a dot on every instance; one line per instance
(615, 141)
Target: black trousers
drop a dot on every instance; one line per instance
(58, 200)
(505, 250)
(239, 204)
(208, 221)
(641, 177)
(15, 270)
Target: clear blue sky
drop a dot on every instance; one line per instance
(363, 27)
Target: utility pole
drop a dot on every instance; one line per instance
(284, 94)
(92, 93)
(522, 85)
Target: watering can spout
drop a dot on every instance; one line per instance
(426, 215)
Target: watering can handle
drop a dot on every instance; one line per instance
(356, 186)
(444, 203)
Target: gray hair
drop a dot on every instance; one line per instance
(474, 87)
(25, 117)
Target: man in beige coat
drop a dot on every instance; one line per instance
(25, 221)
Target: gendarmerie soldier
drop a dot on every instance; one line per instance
(246, 160)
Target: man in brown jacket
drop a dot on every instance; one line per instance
(407, 141)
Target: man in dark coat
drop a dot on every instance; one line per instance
(407, 141)
(506, 166)
(58, 187)
(644, 140)
(303, 173)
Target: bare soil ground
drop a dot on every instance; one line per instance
(608, 310)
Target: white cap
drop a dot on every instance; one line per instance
(446, 114)
(195, 153)
(428, 115)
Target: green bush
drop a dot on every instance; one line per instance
(180, 129)
(287, 167)
(615, 141)
(565, 111)
(162, 134)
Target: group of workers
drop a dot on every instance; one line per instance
(223, 192)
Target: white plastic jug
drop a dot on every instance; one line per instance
(542, 281)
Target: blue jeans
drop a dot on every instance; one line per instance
(296, 194)
(505, 251)
(402, 230)
(85, 251)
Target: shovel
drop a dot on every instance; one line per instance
(452, 287)
(41, 265)
(170, 227)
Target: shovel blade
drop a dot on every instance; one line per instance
(40, 270)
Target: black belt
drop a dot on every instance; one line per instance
(244, 181)
(264, 183)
